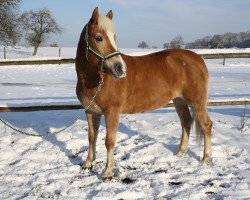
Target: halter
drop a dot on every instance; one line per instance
(102, 57)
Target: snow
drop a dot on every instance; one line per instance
(146, 167)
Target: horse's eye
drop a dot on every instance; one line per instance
(98, 38)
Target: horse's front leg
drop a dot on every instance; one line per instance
(94, 124)
(112, 121)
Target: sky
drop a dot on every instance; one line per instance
(153, 21)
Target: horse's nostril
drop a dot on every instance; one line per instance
(118, 68)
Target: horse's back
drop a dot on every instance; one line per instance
(183, 58)
(166, 59)
(175, 65)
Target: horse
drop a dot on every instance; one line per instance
(110, 83)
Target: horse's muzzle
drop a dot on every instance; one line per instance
(118, 70)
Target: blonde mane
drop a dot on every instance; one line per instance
(106, 24)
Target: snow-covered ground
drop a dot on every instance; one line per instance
(146, 168)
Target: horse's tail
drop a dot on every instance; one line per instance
(198, 132)
(197, 129)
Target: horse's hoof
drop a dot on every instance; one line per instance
(206, 161)
(87, 165)
(108, 178)
(180, 153)
(206, 158)
(107, 175)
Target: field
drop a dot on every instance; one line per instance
(146, 167)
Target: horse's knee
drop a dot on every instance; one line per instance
(91, 138)
(207, 126)
(109, 143)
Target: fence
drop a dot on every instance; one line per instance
(59, 60)
(225, 55)
(38, 62)
(57, 51)
(74, 107)
(72, 60)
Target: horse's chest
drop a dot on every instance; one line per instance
(87, 98)
(89, 104)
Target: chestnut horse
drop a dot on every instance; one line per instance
(132, 84)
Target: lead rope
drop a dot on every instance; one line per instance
(98, 89)
(101, 82)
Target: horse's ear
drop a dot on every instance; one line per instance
(95, 15)
(110, 15)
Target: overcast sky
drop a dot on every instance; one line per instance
(153, 21)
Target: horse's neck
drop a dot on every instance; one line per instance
(88, 74)
(82, 47)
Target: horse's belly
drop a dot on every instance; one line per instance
(145, 104)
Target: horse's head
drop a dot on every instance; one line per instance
(101, 44)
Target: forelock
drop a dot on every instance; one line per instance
(106, 24)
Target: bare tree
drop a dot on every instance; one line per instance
(216, 42)
(177, 42)
(143, 45)
(203, 43)
(38, 25)
(166, 45)
(226, 40)
(9, 34)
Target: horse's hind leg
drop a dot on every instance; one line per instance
(203, 126)
(186, 123)
(93, 124)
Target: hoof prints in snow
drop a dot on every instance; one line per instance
(174, 183)
(210, 193)
(160, 171)
(128, 180)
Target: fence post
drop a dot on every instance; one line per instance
(4, 52)
(59, 51)
(224, 60)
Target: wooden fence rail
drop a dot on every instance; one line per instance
(74, 107)
(225, 55)
(59, 60)
(38, 61)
